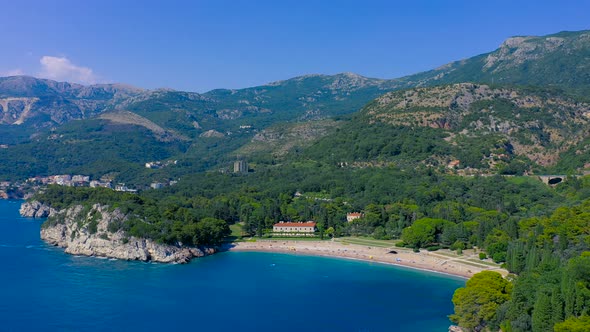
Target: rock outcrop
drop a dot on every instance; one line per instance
(35, 209)
(84, 231)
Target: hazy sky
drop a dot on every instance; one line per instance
(201, 45)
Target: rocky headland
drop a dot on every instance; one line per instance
(35, 209)
(85, 231)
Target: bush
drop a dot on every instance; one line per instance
(458, 245)
(482, 255)
(93, 226)
(114, 226)
(400, 244)
(433, 248)
(499, 257)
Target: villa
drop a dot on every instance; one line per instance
(295, 228)
(353, 216)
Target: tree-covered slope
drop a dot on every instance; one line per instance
(561, 60)
(493, 127)
(498, 128)
(549, 290)
(557, 60)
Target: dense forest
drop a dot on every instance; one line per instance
(549, 289)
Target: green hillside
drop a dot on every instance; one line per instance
(559, 60)
(485, 128)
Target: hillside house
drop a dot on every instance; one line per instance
(453, 164)
(295, 228)
(353, 216)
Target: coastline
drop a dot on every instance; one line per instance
(103, 243)
(435, 262)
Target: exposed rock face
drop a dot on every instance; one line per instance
(86, 232)
(211, 133)
(538, 125)
(34, 209)
(45, 103)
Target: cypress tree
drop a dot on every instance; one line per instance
(542, 313)
(557, 306)
(568, 292)
(532, 259)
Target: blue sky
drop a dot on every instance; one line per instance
(202, 45)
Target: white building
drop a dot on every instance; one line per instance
(294, 228)
(353, 216)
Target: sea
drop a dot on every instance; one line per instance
(44, 289)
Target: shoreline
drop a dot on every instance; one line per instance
(425, 261)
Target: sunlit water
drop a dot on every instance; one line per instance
(42, 288)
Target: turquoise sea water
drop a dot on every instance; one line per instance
(43, 289)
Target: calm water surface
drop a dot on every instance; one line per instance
(41, 288)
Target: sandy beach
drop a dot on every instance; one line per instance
(445, 261)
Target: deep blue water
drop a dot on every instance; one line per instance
(42, 288)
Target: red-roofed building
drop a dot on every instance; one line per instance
(295, 228)
(453, 163)
(353, 216)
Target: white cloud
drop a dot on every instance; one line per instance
(12, 72)
(62, 69)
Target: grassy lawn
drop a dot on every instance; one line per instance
(236, 230)
(236, 233)
(447, 254)
(466, 262)
(364, 241)
(291, 238)
(485, 263)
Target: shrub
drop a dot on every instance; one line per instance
(482, 255)
(499, 257)
(458, 245)
(433, 248)
(93, 226)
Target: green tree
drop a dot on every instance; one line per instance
(477, 302)
(542, 313)
(211, 231)
(574, 324)
(424, 232)
(330, 232)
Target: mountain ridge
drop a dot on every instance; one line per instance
(210, 128)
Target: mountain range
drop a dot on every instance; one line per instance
(471, 110)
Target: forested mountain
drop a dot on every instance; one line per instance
(489, 128)
(495, 127)
(128, 127)
(559, 60)
(40, 103)
(482, 126)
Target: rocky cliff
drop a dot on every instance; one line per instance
(533, 123)
(86, 231)
(34, 209)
